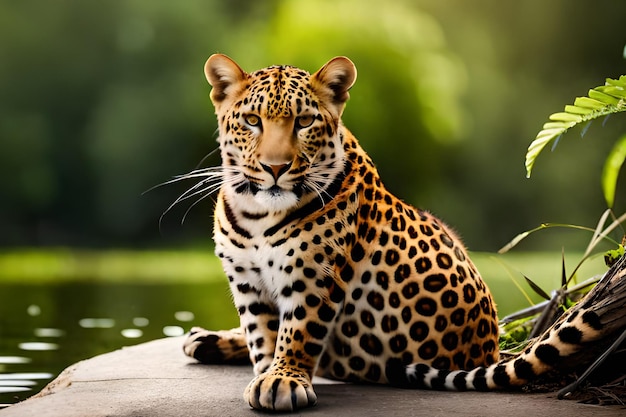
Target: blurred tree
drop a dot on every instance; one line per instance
(95, 97)
(524, 60)
(99, 101)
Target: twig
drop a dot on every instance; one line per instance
(537, 308)
(574, 386)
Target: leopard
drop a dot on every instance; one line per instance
(330, 273)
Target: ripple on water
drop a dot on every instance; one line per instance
(20, 382)
(10, 389)
(184, 316)
(96, 323)
(132, 333)
(173, 331)
(12, 383)
(48, 332)
(33, 310)
(38, 346)
(26, 375)
(14, 360)
(141, 321)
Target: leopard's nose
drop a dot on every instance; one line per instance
(276, 169)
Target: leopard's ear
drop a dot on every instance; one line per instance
(334, 80)
(224, 75)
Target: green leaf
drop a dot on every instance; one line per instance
(603, 97)
(602, 101)
(589, 103)
(611, 169)
(564, 117)
(621, 82)
(536, 288)
(563, 269)
(617, 92)
(578, 110)
(612, 256)
(598, 233)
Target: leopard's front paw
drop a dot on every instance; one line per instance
(280, 390)
(223, 347)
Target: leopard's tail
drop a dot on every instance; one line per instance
(578, 336)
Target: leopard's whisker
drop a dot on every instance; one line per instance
(312, 185)
(198, 173)
(317, 183)
(204, 192)
(207, 156)
(212, 180)
(208, 194)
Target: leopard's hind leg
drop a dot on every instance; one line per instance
(217, 347)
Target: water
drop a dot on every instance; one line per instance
(45, 328)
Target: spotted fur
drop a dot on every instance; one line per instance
(333, 275)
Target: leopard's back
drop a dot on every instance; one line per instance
(412, 293)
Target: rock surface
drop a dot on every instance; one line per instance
(155, 379)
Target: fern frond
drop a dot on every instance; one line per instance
(601, 101)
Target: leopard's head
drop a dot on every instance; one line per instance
(279, 131)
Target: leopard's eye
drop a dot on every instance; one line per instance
(304, 121)
(252, 120)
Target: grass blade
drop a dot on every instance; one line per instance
(537, 289)
(612, 167)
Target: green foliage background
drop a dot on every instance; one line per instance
(99, 101)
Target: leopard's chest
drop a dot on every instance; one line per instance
(258, 258)
(275, 258)
(273, 263)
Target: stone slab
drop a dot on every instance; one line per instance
(155, 379)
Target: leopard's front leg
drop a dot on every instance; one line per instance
(258, 318)
(302, 334)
